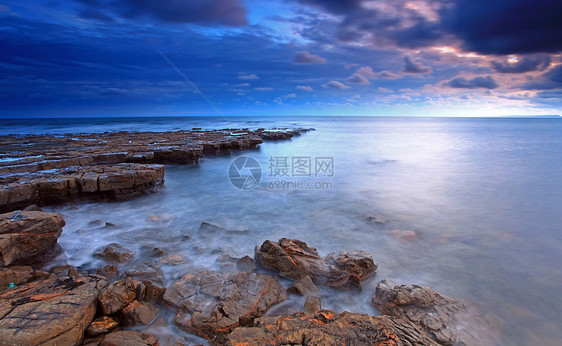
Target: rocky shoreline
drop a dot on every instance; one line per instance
(119, 302)
(54, 169)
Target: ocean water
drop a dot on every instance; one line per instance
(472, 209)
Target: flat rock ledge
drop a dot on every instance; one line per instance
(54, 169)
(117, 182)
(54, 311)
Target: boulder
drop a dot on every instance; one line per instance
(246, 264)
(139, 313)
(55, 311)
(329, 328)
(118, 295)
(432, 311)
(66, 270)
(150, 274)
(295, 259)
(303, 286)
(129, 338)
(211, 304)
(26, 236)
(109, 271)
(115, 253)
(19, 275)
(312, 305)
(102, 325)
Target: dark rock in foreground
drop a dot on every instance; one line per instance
(432, 311)
(116, 182)
(27, 236)
(129, 338)
(56, 311)
(295, 259)
(328, 328)
(211, 304)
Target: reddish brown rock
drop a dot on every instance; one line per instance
(53, 311)
(129, 338)
(117, 295)
(421, 305)
(26, 236)
(19, 275)
(102, 325)
(303, 286)
(312, 305)
(246, 264)
(115, 253)
(150, 274)
(109, 271)
(139, 313)
(328, 328)
(294, 259)
(211, 304)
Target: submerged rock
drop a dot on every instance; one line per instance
(432, 311)
(211, 304)
(329, 328)
(294, 259)
(56, 311)
(28, 236)
(115, 253)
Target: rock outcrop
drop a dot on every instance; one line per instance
(421, 305)
(294, 259)
(211, 304)
(28, 236)
(329, 328)
(115, 253)
(129, 338)
(116, 182)
(55, 311)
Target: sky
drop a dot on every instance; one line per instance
(280, 57)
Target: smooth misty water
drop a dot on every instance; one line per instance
(483, 196)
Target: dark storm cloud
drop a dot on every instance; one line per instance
(537, 62)
(549, 80)
(411, 66)
(507, 26)
(205, 12)
(335, 6)
(474, 83)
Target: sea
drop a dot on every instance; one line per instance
(468, 206)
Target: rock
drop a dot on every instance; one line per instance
(139, 313)
(66, 270)
(374, 219)
(295, 259)
(32, 207)
(312, 305)
(172, 260)
(102, 325)
(246, 264)
(421, 305)
(26, 236)
(115, 253)
(328, 328)
(150, 274)
(207, 229)
(358, 264)
(67, 183)
(109, 271)
(117, 295)
(18, 275)
(211, 304)
(129, 338)
(56, 311)
(303, 286)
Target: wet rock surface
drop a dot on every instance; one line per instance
(211, 304)
(102, 325)
(151, 276)
(115, 253)
(54, 311)
(421, 305)
(293, 258)
(129, 338)
(26, 236)
(328, 328)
